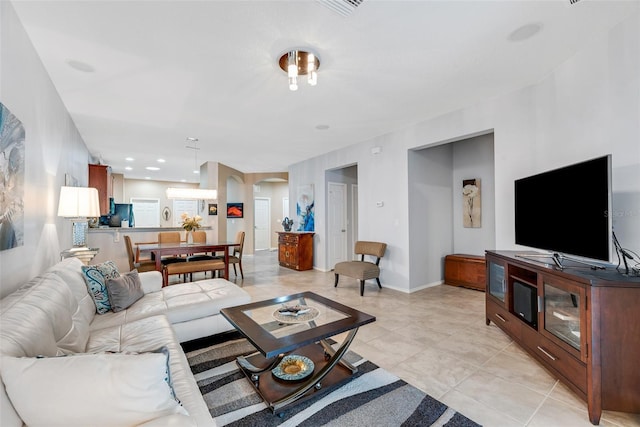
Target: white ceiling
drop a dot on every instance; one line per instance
(163, 71)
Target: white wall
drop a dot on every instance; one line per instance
(431, 192)
(587, 107)
(473, 158)
(53, 147)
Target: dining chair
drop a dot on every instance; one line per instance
(236, 257)
(139, 264)
(363, 270)
(200, 237)
(170, 237)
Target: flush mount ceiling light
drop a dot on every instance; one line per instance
(300, 63)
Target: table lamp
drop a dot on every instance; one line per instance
(78, 204)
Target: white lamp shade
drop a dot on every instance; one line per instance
(191, 193)
(79, 202)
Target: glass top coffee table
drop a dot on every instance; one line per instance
(291, 333)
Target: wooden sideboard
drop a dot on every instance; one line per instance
(295, 250)
(465, 270)
(582, 325)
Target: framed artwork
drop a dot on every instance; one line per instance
(166, 213)
(235, 210)
(12, 140)
(213, 209)
(471, 203)
(304, 208)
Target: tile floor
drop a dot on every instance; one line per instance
(437, 340)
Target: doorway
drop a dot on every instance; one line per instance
(342, 211)
(337, 226)
(262, 220)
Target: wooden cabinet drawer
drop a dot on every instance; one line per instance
(556, 358)
(291, 239)
(504, 320)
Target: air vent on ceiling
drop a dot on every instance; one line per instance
(573, 1)
(344, 7)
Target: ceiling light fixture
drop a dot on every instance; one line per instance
(300, 63)
(191, 193)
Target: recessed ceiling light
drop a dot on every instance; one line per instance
(196, 171)
(80, 66)
(161, 160)
(183, 180)
(147, 177)
(322, 127)
(525, 32)
(128, 168)
(129, 159)
(152, 168)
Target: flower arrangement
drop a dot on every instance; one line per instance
(190, 223)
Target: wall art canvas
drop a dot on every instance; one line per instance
(471, 205)
(12, 136)
(304, 208)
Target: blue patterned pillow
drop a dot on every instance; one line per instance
(96, 277)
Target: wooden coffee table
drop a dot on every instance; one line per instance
(304, 336)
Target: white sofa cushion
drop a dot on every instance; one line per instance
(148, 334)
(37, 319)
(70, 271)
(186, 302)
(107, 389)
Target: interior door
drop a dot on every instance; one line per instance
(354, 215)
(262, 221)
(337, 223)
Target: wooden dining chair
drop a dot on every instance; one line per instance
(200, 237)
(170, 237)
(236, 257)
(136, 263)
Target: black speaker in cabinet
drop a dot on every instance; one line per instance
(525, 303)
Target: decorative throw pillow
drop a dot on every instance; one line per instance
(123, 291)
(95, 276)
(90, 389)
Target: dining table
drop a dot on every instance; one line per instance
(158, 250)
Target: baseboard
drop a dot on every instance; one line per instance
(410, 291)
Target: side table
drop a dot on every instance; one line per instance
(85, 254)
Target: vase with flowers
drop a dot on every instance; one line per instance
(190, 223)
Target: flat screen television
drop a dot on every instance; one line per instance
(235, 210)
(566, 210)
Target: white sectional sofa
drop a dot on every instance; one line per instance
(63, 364)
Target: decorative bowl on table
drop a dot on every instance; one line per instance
(295, 314)
(293, 368)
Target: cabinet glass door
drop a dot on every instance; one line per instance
(497, 284)
(562, 314)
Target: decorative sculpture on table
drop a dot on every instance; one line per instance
(287, 224)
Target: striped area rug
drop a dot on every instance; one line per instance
(374, 397)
